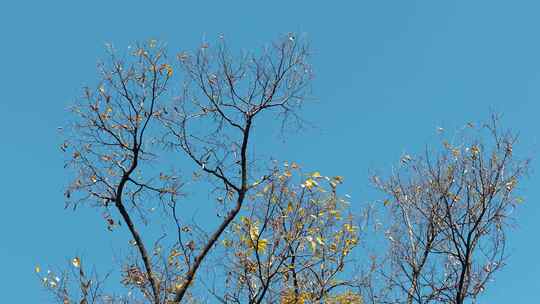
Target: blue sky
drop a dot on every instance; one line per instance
(388, 73)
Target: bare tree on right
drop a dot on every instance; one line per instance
(449, 212)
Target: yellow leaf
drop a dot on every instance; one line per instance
(254, 232)
(245, 220)
(338, 179)
(310, 183)
(335, 213)
(316, 174)
(169, 70)
(76, 262)
(350, 228)
(289, 208)
(261, 245)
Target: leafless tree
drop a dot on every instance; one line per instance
(108, 145)
(448, 213)
(213, 120)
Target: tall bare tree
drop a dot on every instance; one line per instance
(449, 212)
(222, 99)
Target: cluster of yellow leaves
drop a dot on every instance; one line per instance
(348, 297)
(344, 239)
(300, 209)
(329, 210)
(310, 183)
(289, 297)
(252, 240)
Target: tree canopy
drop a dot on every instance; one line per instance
(283, 233)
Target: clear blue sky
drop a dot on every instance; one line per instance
(388, 73)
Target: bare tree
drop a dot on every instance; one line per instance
(448, 216)
(108, 145)
(214, 119)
